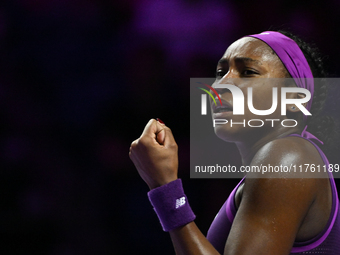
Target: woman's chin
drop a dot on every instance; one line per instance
(226, 134)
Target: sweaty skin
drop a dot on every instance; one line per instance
(272, 212)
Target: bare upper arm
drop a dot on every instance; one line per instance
(274, 205)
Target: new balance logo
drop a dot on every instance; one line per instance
(180, 202)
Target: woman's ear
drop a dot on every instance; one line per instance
(293, 107)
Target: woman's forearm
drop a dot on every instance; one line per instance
(189, 240)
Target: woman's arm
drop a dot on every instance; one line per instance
(189, 240)
(155, 157)
(271, 210)
(274, 206)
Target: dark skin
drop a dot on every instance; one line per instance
(272, 212)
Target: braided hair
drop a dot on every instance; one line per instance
(320, 125)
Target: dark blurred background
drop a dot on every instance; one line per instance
(78, 82)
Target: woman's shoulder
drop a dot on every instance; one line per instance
(291, 155)
(291, 168)
(288, 150)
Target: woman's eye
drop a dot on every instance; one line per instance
(249, 72)
(220, 74)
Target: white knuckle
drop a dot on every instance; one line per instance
(133, 144)
(142, 142)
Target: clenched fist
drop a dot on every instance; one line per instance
(155, 155)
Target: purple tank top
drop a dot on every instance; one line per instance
(327, 242)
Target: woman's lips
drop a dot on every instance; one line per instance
(221, 115)
(224, 110)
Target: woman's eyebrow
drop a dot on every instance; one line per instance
(240, 60)
(247, 60)
(223, 61)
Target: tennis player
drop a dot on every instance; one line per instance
(283, 213)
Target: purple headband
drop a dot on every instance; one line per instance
(292, 58)
(295, 62)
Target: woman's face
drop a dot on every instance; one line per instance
(248, 62)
